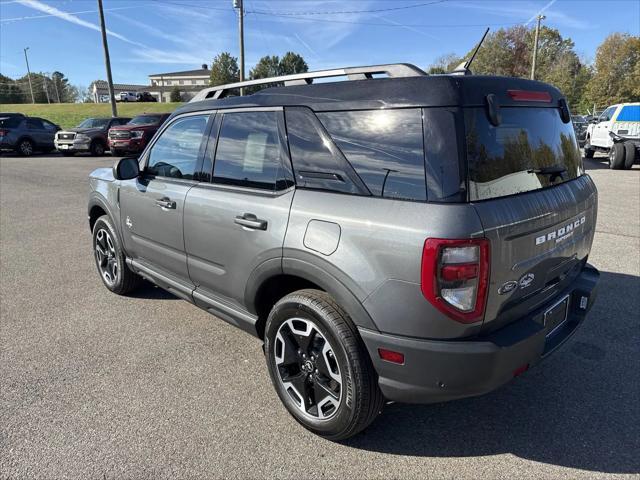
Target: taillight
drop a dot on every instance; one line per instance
(3, 132)
(455, 277)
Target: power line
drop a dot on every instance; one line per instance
(347, 12)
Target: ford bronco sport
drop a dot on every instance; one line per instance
(413, 238)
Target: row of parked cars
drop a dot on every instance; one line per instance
(121, 135)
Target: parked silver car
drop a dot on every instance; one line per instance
(416, 238)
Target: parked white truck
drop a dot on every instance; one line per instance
(616, 132)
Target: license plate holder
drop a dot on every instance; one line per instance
(556, 316)
(64, 147)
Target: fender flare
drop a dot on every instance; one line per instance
(311, 269)
(97, 200)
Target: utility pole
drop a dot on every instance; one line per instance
(55, 84)
(46, 90)
(107, 61)
(535, 47)
(237, 4)
(33, 99)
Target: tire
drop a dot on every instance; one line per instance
(629, 155)
(616, 156)
(68, 154)
(25, 147)
(335, 357)
(117, 153)
(110, 260)
(588, 151)
(97, 148)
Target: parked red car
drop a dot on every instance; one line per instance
(134, 136)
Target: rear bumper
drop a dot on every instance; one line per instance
(441, 370)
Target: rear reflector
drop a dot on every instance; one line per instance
(391, 356)
(529, 96)
(520, 370)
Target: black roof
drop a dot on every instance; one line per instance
(377, 93)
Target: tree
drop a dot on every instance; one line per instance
(444, 64)
(10, 92)
(224, 69)
(617, 71)
(292, 63)
(274, 66)
(175, 95)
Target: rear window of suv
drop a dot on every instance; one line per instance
(512, 158)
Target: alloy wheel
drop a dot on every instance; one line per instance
(308, 369)
(106, 256)
(26, 148)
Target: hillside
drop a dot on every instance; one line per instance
(71, 114)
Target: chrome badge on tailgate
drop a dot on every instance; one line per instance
(562, 233)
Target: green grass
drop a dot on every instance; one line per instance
(71, 114)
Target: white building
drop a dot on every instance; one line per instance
(189, 83)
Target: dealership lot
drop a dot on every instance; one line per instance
(93, 385)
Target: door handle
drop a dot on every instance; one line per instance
(165, 203)
(249, 220)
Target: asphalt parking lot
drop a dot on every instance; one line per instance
(93, 385)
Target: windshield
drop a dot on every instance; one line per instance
(94, 123)
(531, 149)
(144, 120)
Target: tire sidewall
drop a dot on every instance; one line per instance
(346, 411)
(104, 222)
(97, 144)
(23, 142)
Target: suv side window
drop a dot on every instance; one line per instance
(49, 126)
(385, 147)
(34, 124)
(175, 154)
(317, 163)
(249, 152)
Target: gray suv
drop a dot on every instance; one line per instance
(412, 238)
(26, 135)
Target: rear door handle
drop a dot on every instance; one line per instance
(249, 220)
(166, 203)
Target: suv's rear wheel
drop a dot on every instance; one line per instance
(629, 155)
(319, 367)
(97, 148)
(25, 147)
(616, 156)
(110, 259)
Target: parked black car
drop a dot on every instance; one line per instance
(145, 97)
(580, 124)
(26, 135)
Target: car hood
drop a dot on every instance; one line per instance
(135, 127)
(86, 131)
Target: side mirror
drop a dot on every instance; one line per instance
(126, 168)
(593, 120)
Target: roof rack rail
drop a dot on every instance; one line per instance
(353, 73)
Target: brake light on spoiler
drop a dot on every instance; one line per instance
(529, 96)
(455, 277)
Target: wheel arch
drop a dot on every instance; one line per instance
(98, 207)
(274, 279)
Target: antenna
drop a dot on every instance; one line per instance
(463, 68)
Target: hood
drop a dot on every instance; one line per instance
(86, 131)
(136, 127)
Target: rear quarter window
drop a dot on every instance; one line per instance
(385, 147)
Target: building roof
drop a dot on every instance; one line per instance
(186, 73)
(102, 84)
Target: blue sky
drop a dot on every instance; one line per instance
(153, 36)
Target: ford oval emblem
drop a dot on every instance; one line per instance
(508, 287)
(526, 280)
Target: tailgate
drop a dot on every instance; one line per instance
(539, 243)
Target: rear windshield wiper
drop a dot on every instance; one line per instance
(554, 172)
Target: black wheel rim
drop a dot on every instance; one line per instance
(26, 148)
(106, 256)
(98, 149)
(307, 368)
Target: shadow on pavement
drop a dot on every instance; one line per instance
(152, 292)
(602, 163)
(578, 408)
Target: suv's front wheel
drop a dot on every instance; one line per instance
(110, 259)
(319, 366)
